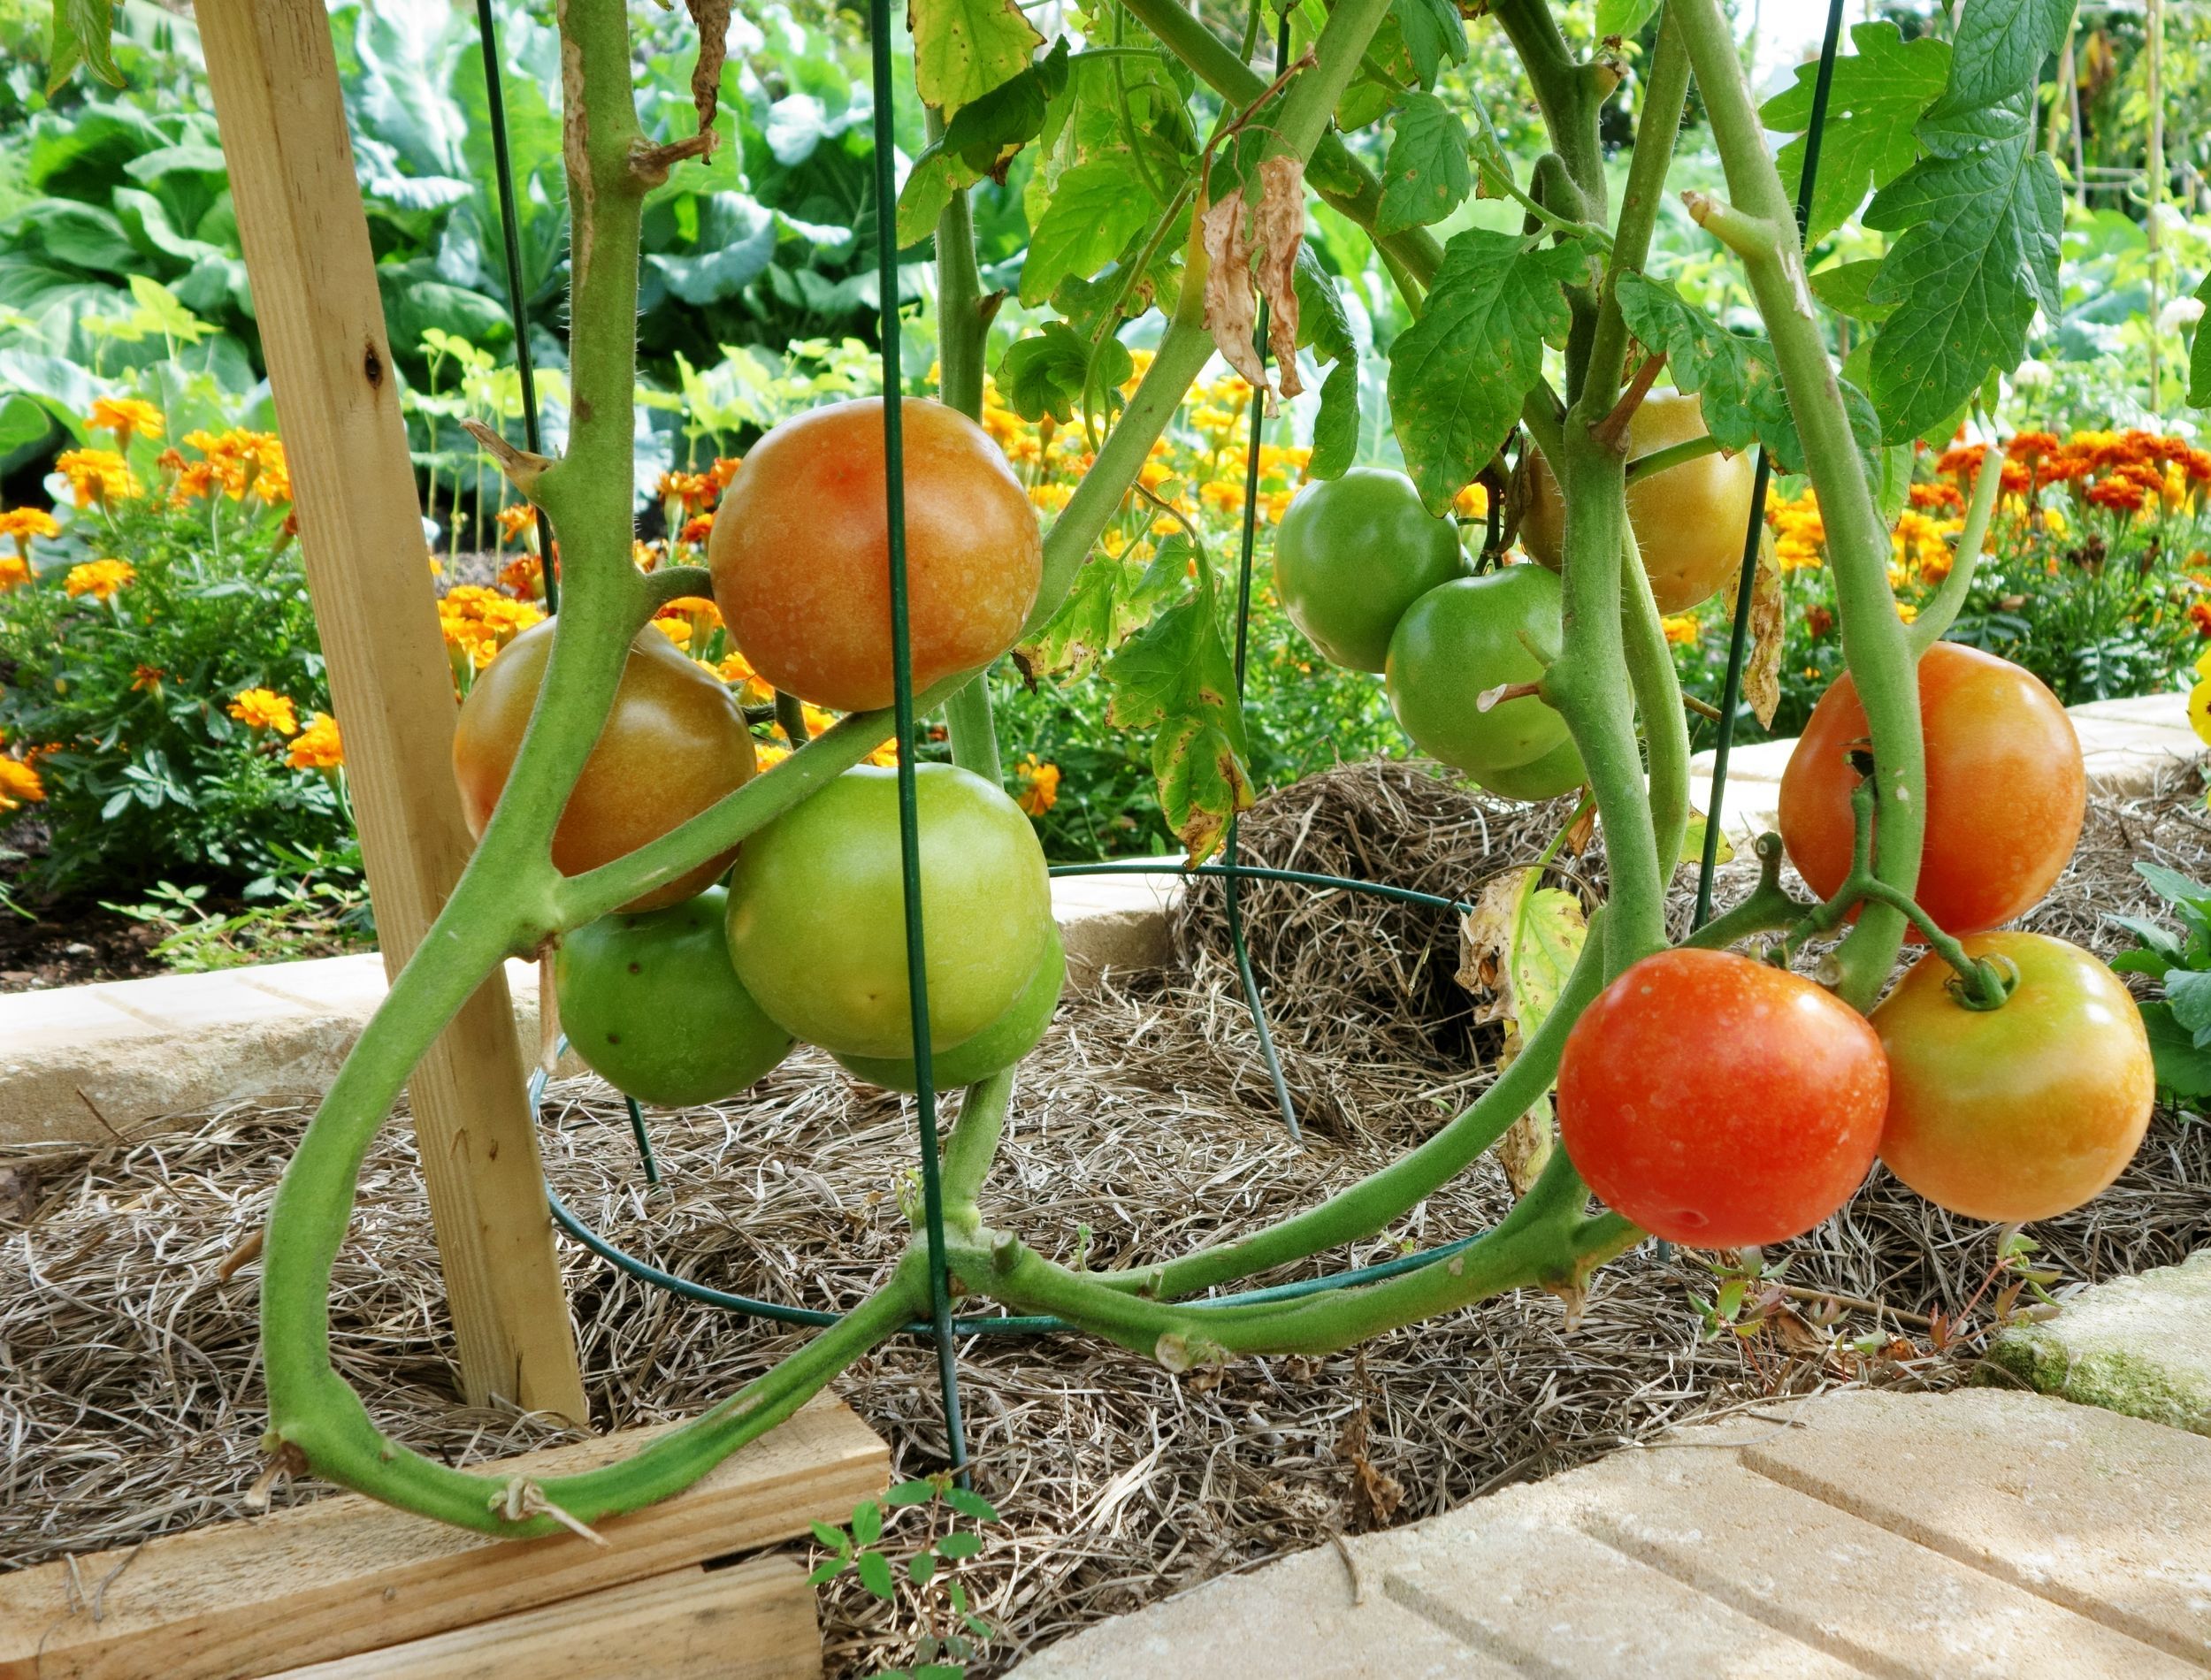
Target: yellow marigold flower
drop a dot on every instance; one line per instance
(317, 747)
(18, 784)
(23, 523)
(1039, 785)
(692, 491)
(1907, 611)
(676, 629)
(1112, 542)
(646, 555)
(1682, 629)
(1275, 503)
(97, 475)
(261, 708)
(127, 417)
(14, 570)
(518, 523)
(1472, 502)
(1052, 497)
(768, 755)
(723, 471)
(1221, 494)
(816, 718)
(102, 579)
(273, 482)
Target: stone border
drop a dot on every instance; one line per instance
(91, 1064)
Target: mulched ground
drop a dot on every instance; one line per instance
(129, 1397)
(64, 944)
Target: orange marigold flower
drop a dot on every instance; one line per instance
(1923, 496)
(23, 523)
(723, 470)
(2118, 494)
(696, 530)
(273, 482)
(2198, 615)
(1962, 459)
(766, 754)
(1039, 785)
(127, 417)
(1818, 622)
(518, 523)
(2028, 446)
(317, 747)
(14, 570)
(261, 708)
(19, 784)
(2015, 479)
(102, 579)
(145, 679)
(99, 476)
(523, 577)
(692, 490)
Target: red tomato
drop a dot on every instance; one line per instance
(2006, 789)
(1719, 1102)
(2020, 1112)
(801, 554)
(674, 744)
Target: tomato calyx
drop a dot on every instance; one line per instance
(1988, 983)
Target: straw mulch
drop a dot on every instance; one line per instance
(130, 1403)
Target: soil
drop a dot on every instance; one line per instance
(65, 944)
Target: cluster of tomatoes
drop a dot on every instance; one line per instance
(1717, 1100)
(692, 992)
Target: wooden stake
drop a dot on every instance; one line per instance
(282, 120)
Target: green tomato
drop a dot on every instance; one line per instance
(999, 1045)
(650, 1002)
(817, 911)
(1559, 771)
(1463, 638)
(1352, 554)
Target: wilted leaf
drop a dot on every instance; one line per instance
(990, 129)
(962, 48)
(1252, 252)
(1516, 949)
(1111, 598)
(1762, 665)
(1692, 844)
(1459, 375)
(712, 18)
(1426, 175)
(1876, 97)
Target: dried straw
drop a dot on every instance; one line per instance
(129, 1392)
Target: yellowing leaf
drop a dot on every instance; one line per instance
(1517, 948)
(1693, 844)
(1762, 669)
(963, 49)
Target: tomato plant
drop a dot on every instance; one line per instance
(1718, 1099)
(1352, 554)
(815, 916)
(2006, 789)
(674, 742)
(1463, 638)
(650, 1001)
(1688, 519)
(2020, 1112)
(800, 548)
(1718, 1103)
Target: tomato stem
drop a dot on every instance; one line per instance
(1939, 610)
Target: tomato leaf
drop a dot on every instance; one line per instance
(1621, 18)
(2200, 356)
(1095, 209)
(1112, 598)
(1324, 326)
(936, 176)
(1843, 290)
(81, 36)
(963, 49)
(1426, 175)
(1459, 375)
(1876, 97)
(1433, 31)
(1761, 671)
(1516, 949)
(1738, 376)
(1048, 373)
(1176, 677)
(1976, 221)
(1251, 248)
(1335, 428)
(988, 130)
(2181, 1067)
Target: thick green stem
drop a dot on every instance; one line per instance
(1568, 92)
(1768, 909)
(973, 1144)
(1941, 609)
(1761, 228)
(1658, 125)
(1657, 689)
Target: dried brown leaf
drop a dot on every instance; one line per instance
(1762, 669)
(1252, 252)
(713, 19)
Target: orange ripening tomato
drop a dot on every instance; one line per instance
(673, 745)
(2021, 1112)
(1719, 1102)
(801, 552)
(2006, 789)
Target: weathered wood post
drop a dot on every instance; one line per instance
(276, 100)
